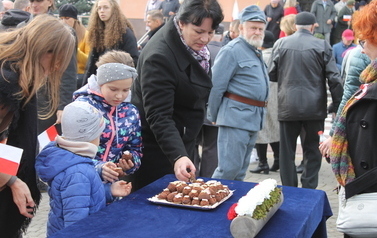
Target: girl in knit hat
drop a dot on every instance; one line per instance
(76, 190)
(107, 91)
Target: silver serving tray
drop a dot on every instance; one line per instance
(155, 200)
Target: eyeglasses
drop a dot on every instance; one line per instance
(361, 43)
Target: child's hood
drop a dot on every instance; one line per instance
(91, 87)
(53, 160)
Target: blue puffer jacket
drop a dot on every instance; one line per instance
(123, 126)
(354, 63)
(76, 189)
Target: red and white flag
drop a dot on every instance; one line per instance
(10, 157)
(347, 17)
(47, 136)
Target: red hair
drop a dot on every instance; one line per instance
(364, 23)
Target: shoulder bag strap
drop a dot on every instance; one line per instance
(361, 183)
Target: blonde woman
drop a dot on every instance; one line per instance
(289, 9)
(109, 29)
(30, 57)
(287, 25)
(68, 14)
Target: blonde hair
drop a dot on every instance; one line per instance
(115, 56)
(80, 30)
(290, 3)
(287, 24)
(24, 47)
(103, 36)
(234, 25)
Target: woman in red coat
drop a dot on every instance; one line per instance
(289, 8)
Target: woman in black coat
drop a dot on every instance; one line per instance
(172, 90)
(353, 150)
(30, 57)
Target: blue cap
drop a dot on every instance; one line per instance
(252, 13)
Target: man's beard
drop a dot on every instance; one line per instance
(254, 41)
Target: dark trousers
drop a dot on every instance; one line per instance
(207, 162)
(289, 131)
(262, 151)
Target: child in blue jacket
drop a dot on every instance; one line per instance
(75, 188)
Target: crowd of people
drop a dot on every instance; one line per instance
(189, 98)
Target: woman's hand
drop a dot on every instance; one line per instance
(184, 169)
(108, 173)
(22, 198)
(325, 146)
(121, 188)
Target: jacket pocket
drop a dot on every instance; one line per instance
(245, 64)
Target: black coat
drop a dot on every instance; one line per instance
(22, 134)
(171, 93)
(276, 13)
(361, 128)
(127, 44)
(302, 93)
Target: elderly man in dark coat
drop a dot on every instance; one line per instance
(302, 96)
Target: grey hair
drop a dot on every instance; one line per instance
(307, 27)
(21, 4)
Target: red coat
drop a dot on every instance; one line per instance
(288, 11)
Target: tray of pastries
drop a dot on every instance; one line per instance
(197, 195)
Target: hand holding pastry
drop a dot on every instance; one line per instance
(181, 168)
(126, 164)
(127, 155)
(120, 171)
(108, 173)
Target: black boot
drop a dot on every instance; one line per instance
(262, 167)
(275, 167)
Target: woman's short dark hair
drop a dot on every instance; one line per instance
(194, 11)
